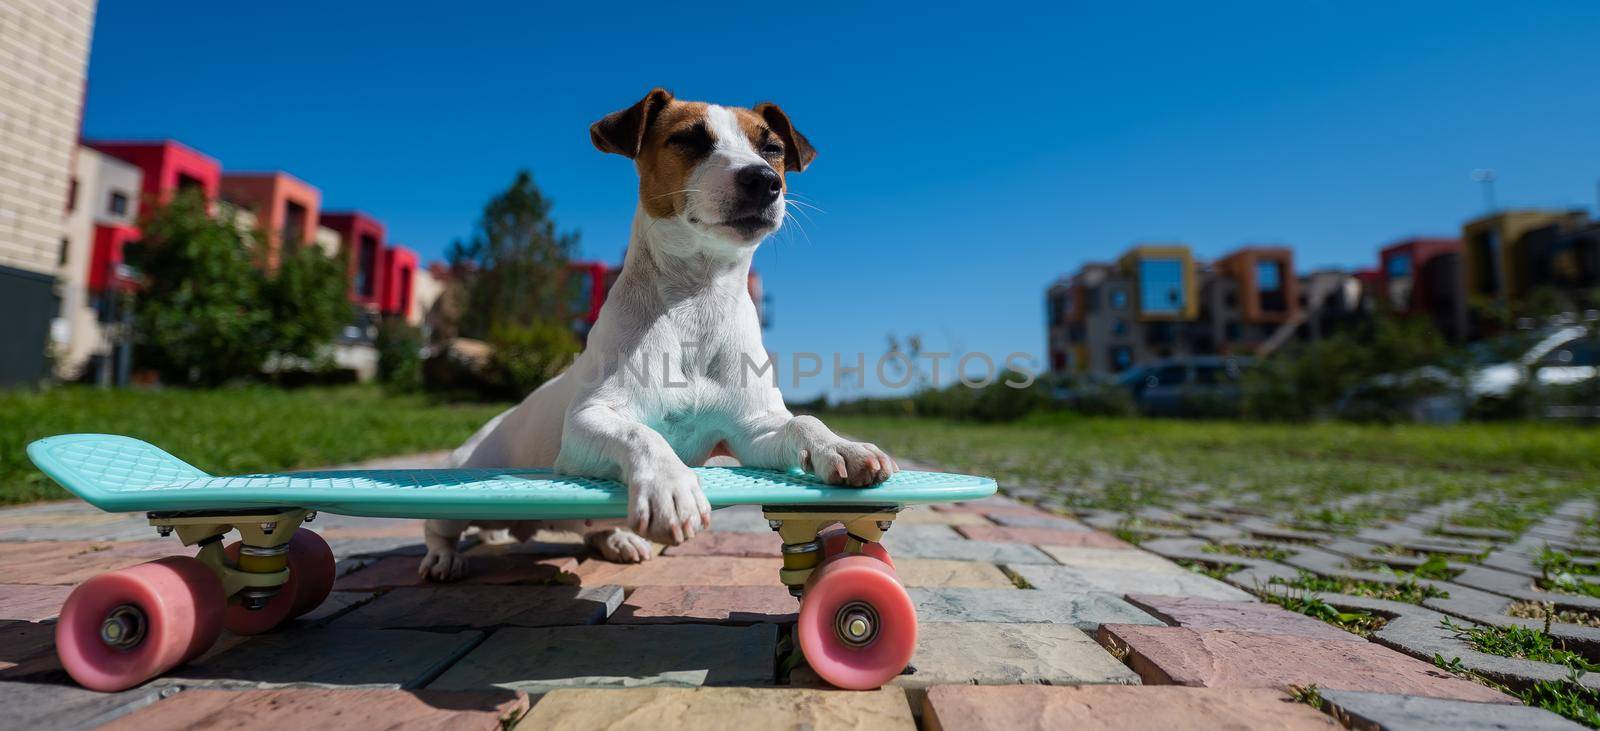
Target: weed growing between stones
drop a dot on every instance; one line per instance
(1269, 553)
(1310, 695)
(1512, 516)
(1215, 570)
(1551, 561)
(1563, 697)
(1435, 567)
(1549, 613)
(1405, 589)
(1398, 550)
(1520, 642)
(1568, 584)
(1359, 622)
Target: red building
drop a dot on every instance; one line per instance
(399, 275)
(1422, 276)
(363, 238)
(168, 166)
(285, 207)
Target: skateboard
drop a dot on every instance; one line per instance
(856, 626)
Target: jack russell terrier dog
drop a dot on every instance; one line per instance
(673, 367)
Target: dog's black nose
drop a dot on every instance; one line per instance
(759, 184)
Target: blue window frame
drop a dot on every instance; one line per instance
(1161, 289)
(1268, 276)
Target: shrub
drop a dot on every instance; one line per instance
(525, 357)
(399, 348)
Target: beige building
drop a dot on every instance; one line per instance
(102, 210)
(44, 54)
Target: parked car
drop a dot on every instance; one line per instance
(1199, 385)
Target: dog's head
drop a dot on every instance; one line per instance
(718, 170)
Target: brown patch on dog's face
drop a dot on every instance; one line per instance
(679, 145)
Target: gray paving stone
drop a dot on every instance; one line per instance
(437, 607)
(962, 549)
(905, 532)
(48, 706)
(1123, 581)
(1038, 521)
(981, 653)
(1084, 610)
(538, 661)
(1416, 713)
(329, 656)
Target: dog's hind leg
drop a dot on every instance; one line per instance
(444, 561)
(619, 545)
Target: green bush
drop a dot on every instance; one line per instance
(525, 357)
(1311, 379)
(1099, 398)
(399, 348)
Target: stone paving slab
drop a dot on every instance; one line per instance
(399, 571)
(31, 602)
(982, 653)
(1207, 614)
(759, 545)
(1233, 659)
(1109, 558)
(1364, 711)
(1045, 522)
(1041, 536)
(313, 708)
(953, 574)
(719, 709)
(956, 548)
(922, 515)
(46, 706)
(1129, 581)
(707, 604)
(684, 570)
(1115, 708)
(336, 605)
(538, 661)
(69, 563)
(477, 607)
(984, 505)
(741, 519)
(331, 656)
(1084, 610)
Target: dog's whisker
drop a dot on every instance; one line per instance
(802, 203)
(675, 192)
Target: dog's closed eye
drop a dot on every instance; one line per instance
(694, 140)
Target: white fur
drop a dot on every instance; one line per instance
(667, 375)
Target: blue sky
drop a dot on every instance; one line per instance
(966, 157)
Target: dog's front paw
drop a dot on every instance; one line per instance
(666, 504)
(620, 545)
(442, 564)
(857, 464)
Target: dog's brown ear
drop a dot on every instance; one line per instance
(797, 150)
(623, 132)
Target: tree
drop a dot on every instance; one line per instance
(513, 269)
(309, 302)
(198, 319)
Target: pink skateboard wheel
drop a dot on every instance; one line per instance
(120, 629)
(311, 569)
(833, 545)
(857, 626)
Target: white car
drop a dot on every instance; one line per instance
(1561, 356)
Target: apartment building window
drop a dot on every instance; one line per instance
(294, 226)
(187, 183)
(118, 205)
(1121, 358)
(1161, 286)
(366, 263)
(1160, 333)
(1485, 252)
(1119, 298)
(1270, 292)
(1075, 333)
(72, 196)
(1119, 326)
(1058, 308)
(65, 244)
(1232, 330)
(1398, 269)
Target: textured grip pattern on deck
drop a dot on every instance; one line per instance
(92, 463)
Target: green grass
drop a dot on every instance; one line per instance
(1404, 589)
(1358, 622)
(1123, 464)
(231, 430)
(1269, 553)
(1564, 697)
(1434, 568)
(1218, 571)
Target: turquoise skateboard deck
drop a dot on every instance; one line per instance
(122, 474)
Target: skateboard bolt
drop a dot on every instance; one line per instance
(774, 524)
(123, 627)
(883, 525)
(268, 527)
(856, 624)
(310, 516)
(163, 530)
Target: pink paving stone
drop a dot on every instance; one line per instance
(402, 571)
(1232, 659)
(1089, 707)
(949, 574)
(1204, 614)
(684, 570)
(716, 604)
(31, 602)
(981, 506)
(922, 516)
(384, 529)
(730, 544)
(314, 708)
(1041, 536)
(73, 562)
